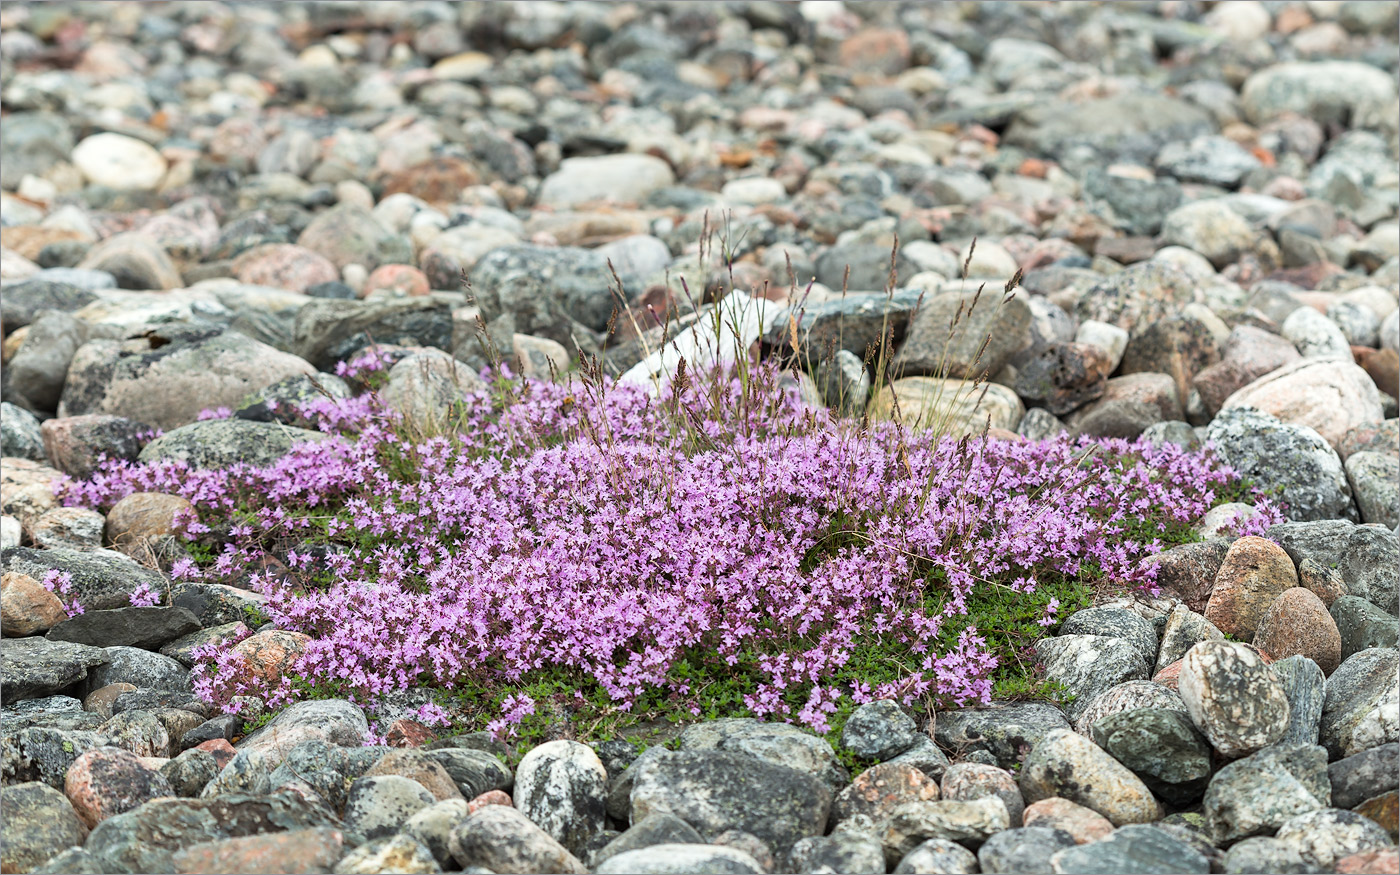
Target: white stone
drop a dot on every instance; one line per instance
(626, 178)
(753, 190)
(120, 162)
(1109, 338)
(9, 532)
(1314, 334)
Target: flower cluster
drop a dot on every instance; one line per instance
(591, 528)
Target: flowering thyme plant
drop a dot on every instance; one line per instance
(717, 550)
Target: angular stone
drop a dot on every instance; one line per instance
(1133, 848)
(1257, 794)
(1364, 775)
(1374, 478)
(987, 330)
(1361, 709)
(145, 627)
(34, 667)
(879, 730)
(1115, 623)
(1304, 685)
(38, 823)
(1067, 765)
(1184, 629)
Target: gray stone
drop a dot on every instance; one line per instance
(912, 823)
(34, 667)
(1212, 160)
(1263, 855)
(1368, 557)
(562, 787)
(1232, 697)
(1070, 766)
(335, 720)
(44, 753)
(856, 323)
(39, 822)
(1024, 850)
(250, 771)
(1357, 322)
(1009, 730)
(190, 772)
(1346, 92)
(500, 839)
(1303, 684)
(987, 330)
(546, 289)
(379, 806)
(1292, 461)
(26, 300)
(966, 781)
(1360, 710)
(938, 857)
(837, 853)
(1089, 665)
(844, 382)
(1257, 794)
(1125, 127)
(1137, 297)
(1134, 849)
(20, 436)
(399, 854)
(781, 744)
(432, 827)
(1314, 334)
(33, 144)
(1364, 775)
(869, 265)
(428, 388)
(1184, 629)
(1363, 625)
(39, 368)
(1160, 746)
(1115, 623)
(718, 790)
(329, 331)
(1134, 205)
(1188, 571)
(1375, 483)
(658, 829)
(220, 443)
(102, 579)
(473, 771)
(681, 859)
(622, 177)
(144, 669)
(144, 627)
(1323, 837)
(879, 730)
(73, 861)
(925, 756)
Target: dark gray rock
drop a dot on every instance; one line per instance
(938, 855)
(102, 579)
(1115, 623)
(190, 772)
(34, 667)
(26, 300)
(658, 829)
(145, 627)
(1135, 848)
(1135, 206)
(1364, 775)
(1024, 850)
(869, 265)
(40, 367)
(879, 730)
(220, 443)
(20, 436)
(1160, 746)
(33, 143)
(1359, 710)
(39, 822)
(1293, 459)
(1188, 572)
(1257, 794)
(1368, 557)
(44, 753)
(281, 402)
(1125, 127)
(225, 726)
(547, 289)
(718, 790)
(1212, 160)
(1363, 625)
(856, 322)
(329, 331)
(144, 669)
(218, 605)
(837, 853)
(1008, 730)
(1304, 685)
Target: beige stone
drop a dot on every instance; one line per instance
(26, 608)
(1330, 396)
(958, 407)
(1255, 572)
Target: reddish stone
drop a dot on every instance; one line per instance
(1298, 623)
(1309, 276)
(490, 797)
(220, 748)
(108, 780)
(1375, 437)
(272, 653)
(1385, 810)
(438, 181)
(1255, 572)
(284, 266)
(876, 50)
(408, 733)
(143, 515)
(1126, 250)
(1383, 365)
(400, 279)
(30, 240)
(878, 789)
(413, 765)
(1034, 168)
(1383, 862)
(1084, 824)
(26, 608)
(1168, 677)
(295, 852)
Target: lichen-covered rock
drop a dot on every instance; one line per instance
(1292, 458)
(38, 823)
(1136, 847)
(562, 787)
(879, 730)
(1090, 665)
(501, 839)
(779, 743)
(1361, 709)
(1161, 747)
(401, 854)
(1324, 836)
(1232, 697)
(35, 667)
(101, 579)
(1068, 765)
(1257, 794)
(913, 823)
(1008, 730)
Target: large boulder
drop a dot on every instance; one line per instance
(1293, 460)
(1329, 395)
(220, 443)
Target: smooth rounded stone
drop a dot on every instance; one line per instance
(1255, 572)
(190, 772)
(562, 787)
(1112, 339)
(397, 854)
(1082, 824)
(21, 435)
(1183, 630)
(144, 516)
(1023, 850)
(955, 407)
(1361, 707)
(1362, 625)
(349, 234)
(1257, 794)
(72, 861)
(425, 386)
(753, 191)
(879, 730)
(1212, 160)
(1224, 520)
(35, 667)
(146, 628)
(1129, 405)
(836, 853)
(416, 766)
(625, 178)
(432, 828)
(778, 743)
(1137, 296)
(38, 822)
(1134, 848)
(166, 379)
(334, 721)
(679, 859)
(1232, 697)
(657, 829)
(26, 300)
(1375, 483)
(1188, 571)
(1343, 91)
(294, 850)
(1322, 837)
(1067, 765)
(1358, 323)
(499, 838)
(1264, 855)
(1368, 557)
(1314, 334)
(378, 806)
(1304, 686)
(968, 823)
(1298, 624)
(119, 162)
(144, 733)
(717, 790)
(1160, 746)
(28, 489)
(220, 443)
(284, 266)
(964, 782)
(1211, 228)
(136, 260)
(1365, 775)
(474, 771)
(938, 857)
(26, 607)
(1114, 623)
(1009, 730)
(987, 331)
(1089, 665)
(1328, 395)
(878, 789)
(107, 781)
(1039, 424)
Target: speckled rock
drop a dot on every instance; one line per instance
(1324, 836)
(938, 856)
(1361, 709)
(1258, 794)
(1255, 572)
(965, 782)
(1304, 685)
(1084, 825)
(878, 789)
(1067, 765)
(1089, 665)
(562, 787)
(1298, 624)
(1125, 697)
(1009, 730)
(879, 730)
(38, 822)
(501, 839)
(1134, 848)
(1330, 396)
(911, 824)
(397, 854)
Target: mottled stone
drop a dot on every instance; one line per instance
(1298, 624)
(1254, 573)
(1067, 765)
(1084, 825)
(1258, 794)
(878, 789)
(1361, 709)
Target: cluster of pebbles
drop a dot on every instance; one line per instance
(208, 205)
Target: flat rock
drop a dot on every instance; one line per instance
(1132, 848)
(145, 627)
(35, 667)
